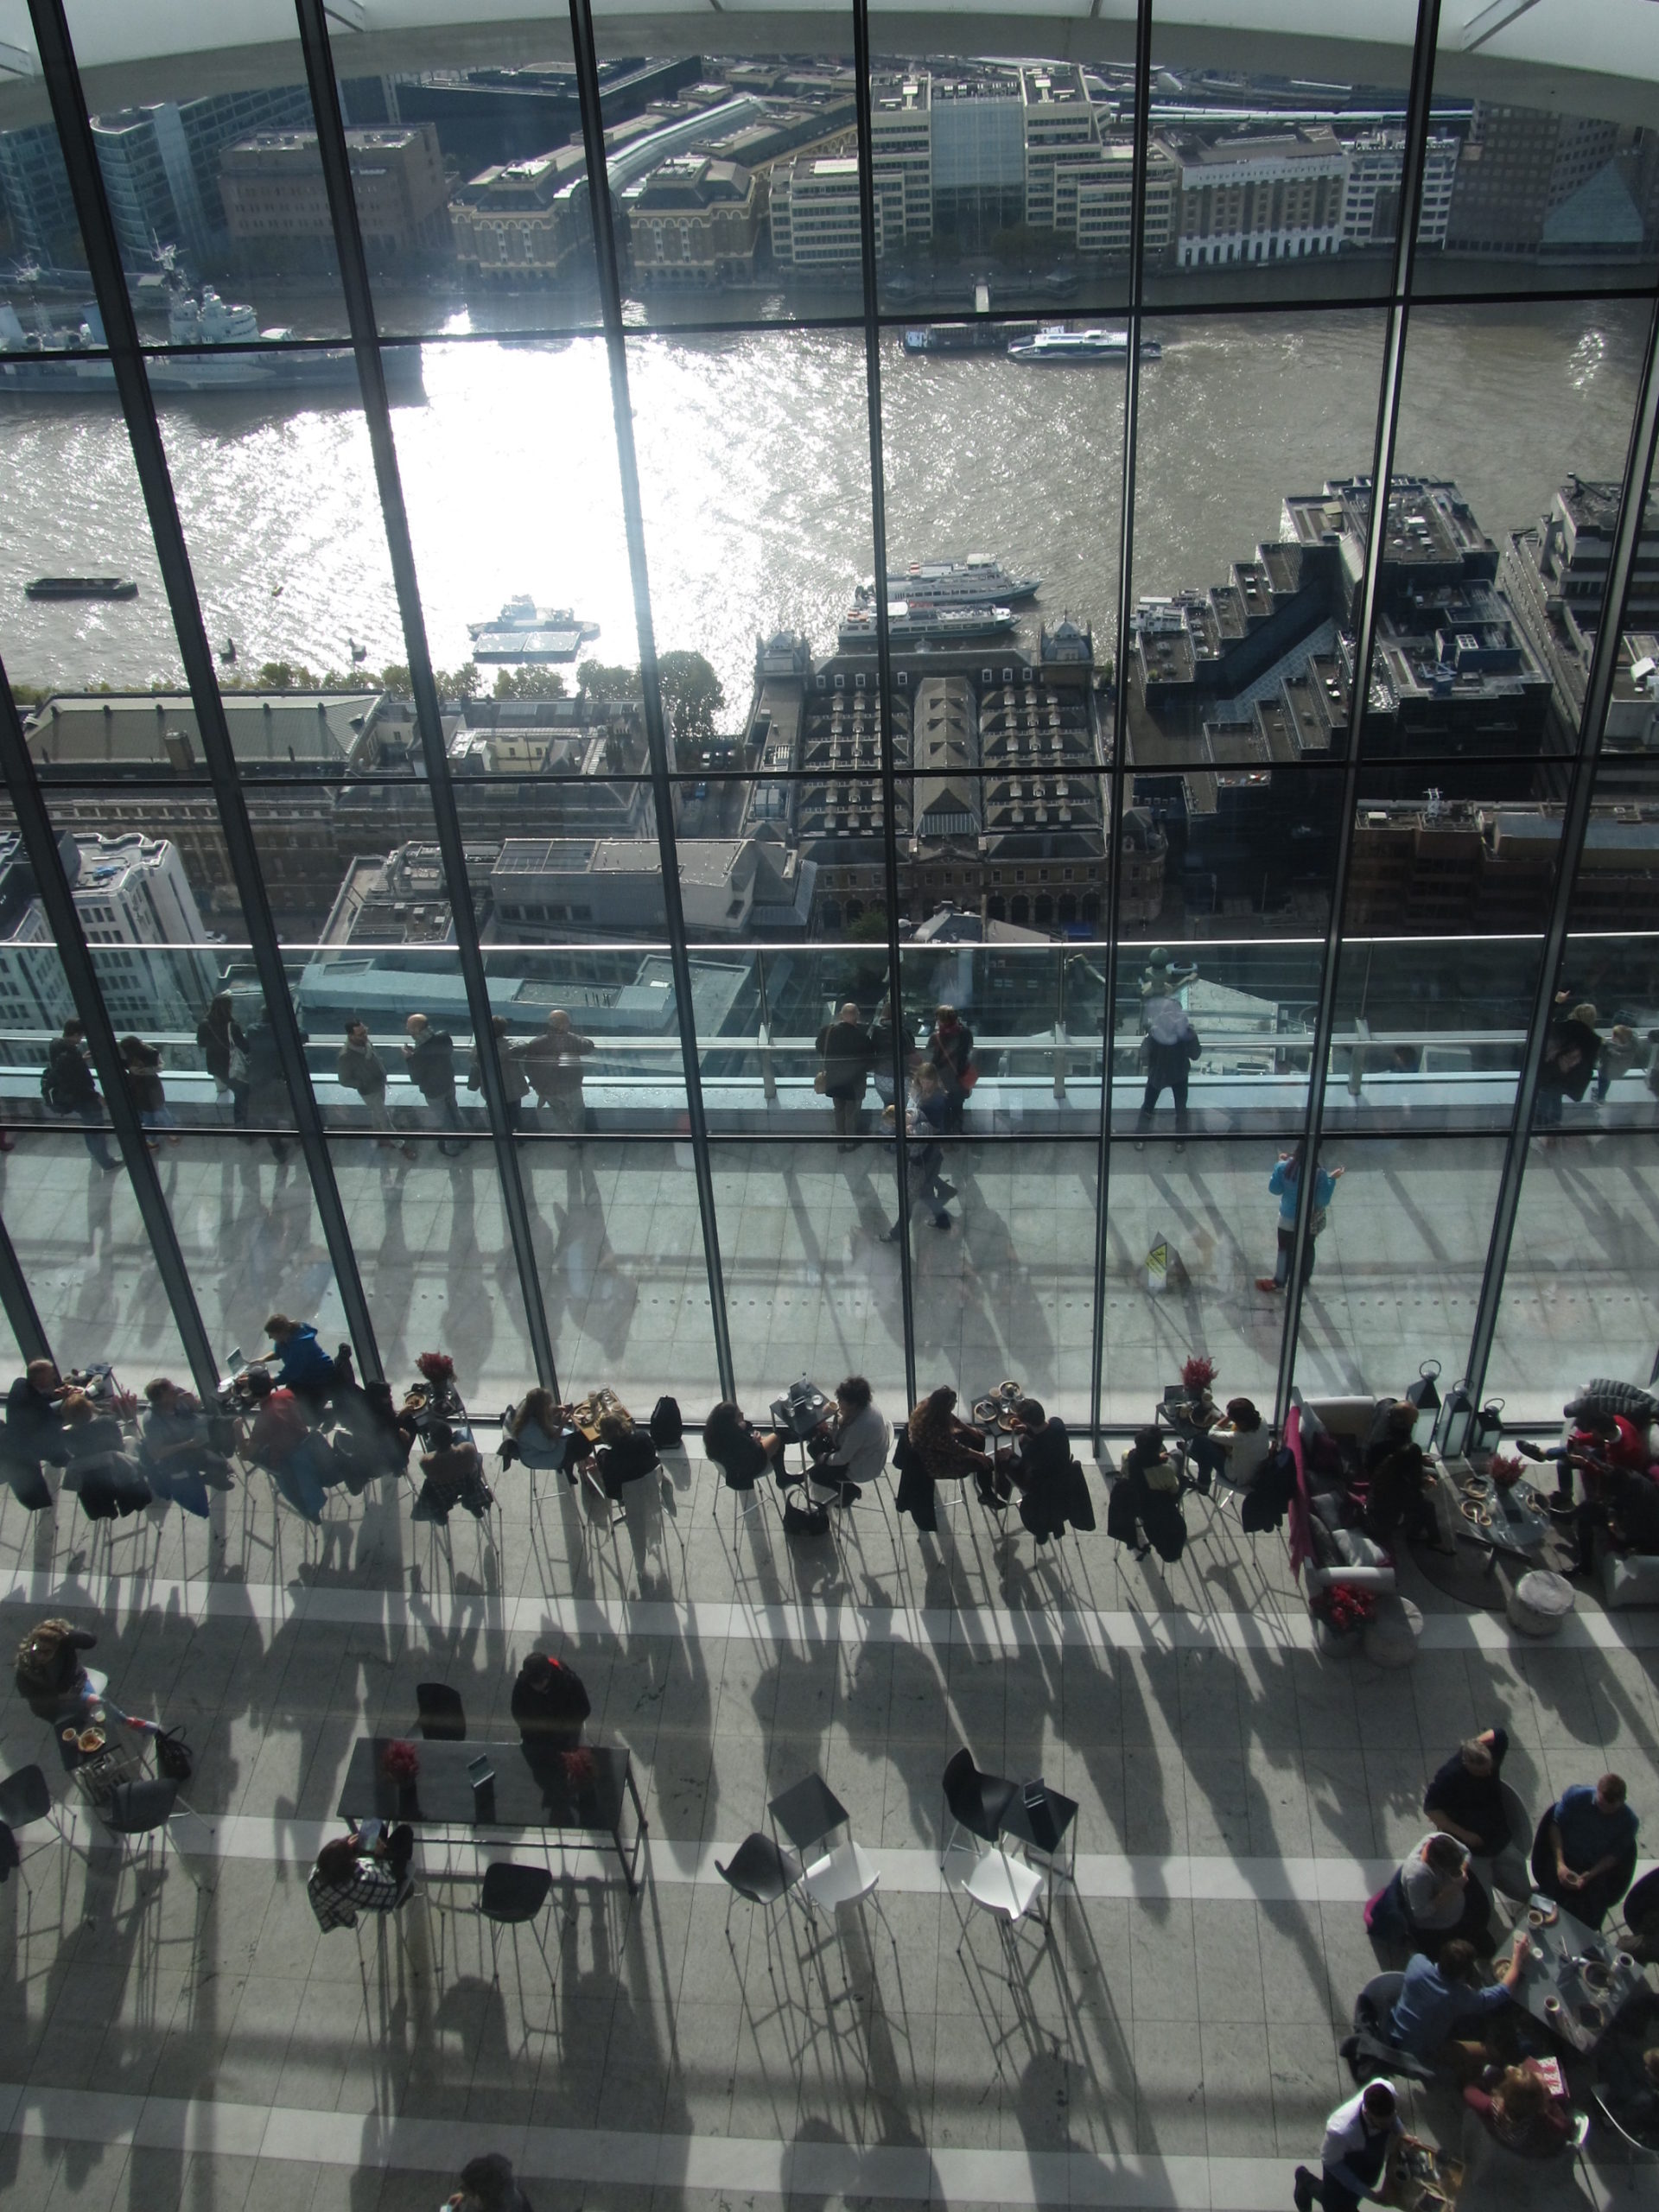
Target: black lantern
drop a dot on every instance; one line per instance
(1423, 1394)
(1456, 1418)
(1485, 1430)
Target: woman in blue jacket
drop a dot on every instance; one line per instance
(302, 1366)
(1284, 1183)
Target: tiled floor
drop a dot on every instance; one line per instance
(1173, 2043)
(811, 1286)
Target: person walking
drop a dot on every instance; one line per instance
(847, 1052)
(950, 1052)
(1571, 1050)
(361, 1068)
(553, 1063)
(143, 1064)
(1170, 1046)
(925, 1115)
(429, 1057)
(514, 1082)
(69, 1087)
(488, 2184)
(1285, 1182)
(224, 1054)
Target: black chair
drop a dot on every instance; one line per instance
(511, 1897)
(761, 1870)
(441, 1716)
(974, 1800)
(26, 1797)
(139, 1809)
(1367, 2048)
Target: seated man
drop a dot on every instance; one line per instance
(299, 1461)
(1598, 1441)
(1628, 2059)
(1465, 1800)
(1400, 1500)
(851, 1448)
(1583, 1855)
(550, 1703)
(1434, 1896)
(175, 1454)
(1439, 1995)
(1521, 2113)
(105, 1479)
(1624, 1507)
(365, 1871)
(34, 1432)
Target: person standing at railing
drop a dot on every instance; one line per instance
(361, 1068)
(846, 1051)
(68, 1087)
(1170, 1046)
(553, 1063)
(143, 1065)
(224, 1055)
(514, 1082)
(1571, 1050)
(430, 1055)
(951, 1051)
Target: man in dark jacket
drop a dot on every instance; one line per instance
(74, 1091)
(430, 1055)
(550, 1702)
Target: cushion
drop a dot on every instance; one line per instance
(1359, 1550)
(1630, 1579)
(1345, 1416)
(1327, 1504)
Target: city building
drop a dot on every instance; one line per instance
(1370, 205)
(1437, 866)
(490, 118)
(160, 166)
(1534, 181)
(276, 208)
(38, 205)
(155, 963)
(1260, 196)
(694, 222)
(901, 158)
(978, 121)
(524, 221)
(815, 216)
(1104, 187)
(1556, 577)
(543, 889)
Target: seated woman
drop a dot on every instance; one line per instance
(1433, 1897)
(360, 1872)
(739, 1449)
(452, 1475)
(176, 1454)
(1236, 1447)
(550, 1702)
(56, 1688)
(1145, 1507)
(302, 1366)
(374, 1437)
(538, 1432)
(622, 1454)
(950, 1449)
(1583, 1855)
(300, 1460)
(854, 1447)
(1521, 2112)
(107, 1480)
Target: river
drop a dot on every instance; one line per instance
(754, 459)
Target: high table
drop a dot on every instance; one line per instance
(1583, 2012)
(531, 1789)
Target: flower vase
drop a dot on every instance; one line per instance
(1335, 1642)
(409, 1799)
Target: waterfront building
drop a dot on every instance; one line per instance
(1260, 196)
(815, 217)
(979, 155)
(39, 203)
(276, 208)
(161, 165)
(490, 118)
(901, 156)
(524, 221)
(1556, 577)
(1062, 137)
(694, 222)
(1371, 205)
(139, 917)
(1530, 178)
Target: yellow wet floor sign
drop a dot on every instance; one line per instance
(1164, 1268)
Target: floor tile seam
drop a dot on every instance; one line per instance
(767, 2166)
(716, 1620)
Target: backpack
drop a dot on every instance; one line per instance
(667, 1429)
(57, 1100)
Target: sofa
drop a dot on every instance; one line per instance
(1341, 1554)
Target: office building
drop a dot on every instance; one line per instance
(39, 204)
(1260, 196)
(694, 222)
(160, 166)
(276, 208)
(1370, 205)
(155, 968)
(524, 220)
(814, 216)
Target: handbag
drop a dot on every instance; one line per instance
(172, 1756)
(237, 1067)
(968, 1077)
(805, 1521)
(1317, 1220)
(821, 1081)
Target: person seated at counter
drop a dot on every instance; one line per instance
(452, 1474)
(1465, 1799)
(739, 1449)
(1584, 1855)
(1439, 1995)
(105, 1479)
(372, 1437)
(299, 1461)
(1433, 1898)
(550, 1702)
(1234, 1447)
(302, 1366)
(1522, 2112)
(175, 1453)
(854, 1448)
(1620, 1514)
(1628, 2056)
(538, 1431)
(364, 1871)
(622, 1454)
(950, 1449)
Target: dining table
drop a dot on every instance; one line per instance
(1574, 1980)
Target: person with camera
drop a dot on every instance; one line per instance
(179, 1449)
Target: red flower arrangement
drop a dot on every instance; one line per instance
(1343, 1609)
(1198, 1373)
(400, 1763)
(579, 1765)
(1505, 1469)
(437, 1367)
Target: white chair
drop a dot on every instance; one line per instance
(846, 1875)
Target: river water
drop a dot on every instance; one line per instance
(755, 459)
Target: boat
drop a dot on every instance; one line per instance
(924, 625)
(987, 337)
(521, 613)
(1055, 343)
(81, 587)
(70, 361)
(979, 581)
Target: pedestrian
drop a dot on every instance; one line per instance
(926, 1113)
(510, 1058)
(881, 1044)
(429, 1057)
(1170, 1046)
(846, 1054)
(1285, 1182)
(550, 1702)
(143, 1064)
(68, 1086)
(951, 1051)
(553, 1063)
(1570, 1049)
(224, 1054)
(488, 2184)
(1617, 1056)
(361, 1068)
(1364, 2138)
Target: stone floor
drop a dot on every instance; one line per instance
(175, 2030)
(810, 1285)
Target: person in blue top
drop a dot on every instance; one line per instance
(1285, 1182)
(1436, 1997)
(302, 1366)
(1585, 1854)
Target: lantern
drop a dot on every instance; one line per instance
(1456, 1418)
(1423, 1394)
(1485, 1431)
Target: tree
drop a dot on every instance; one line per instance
(692, 694)
(284, 675)
(871, 927)
(598, 679)
(455, 684)
(529, 684)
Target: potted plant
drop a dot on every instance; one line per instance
(1340, 1611)
(1198, 1373)
(1505, 1470)
(400, 1763)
